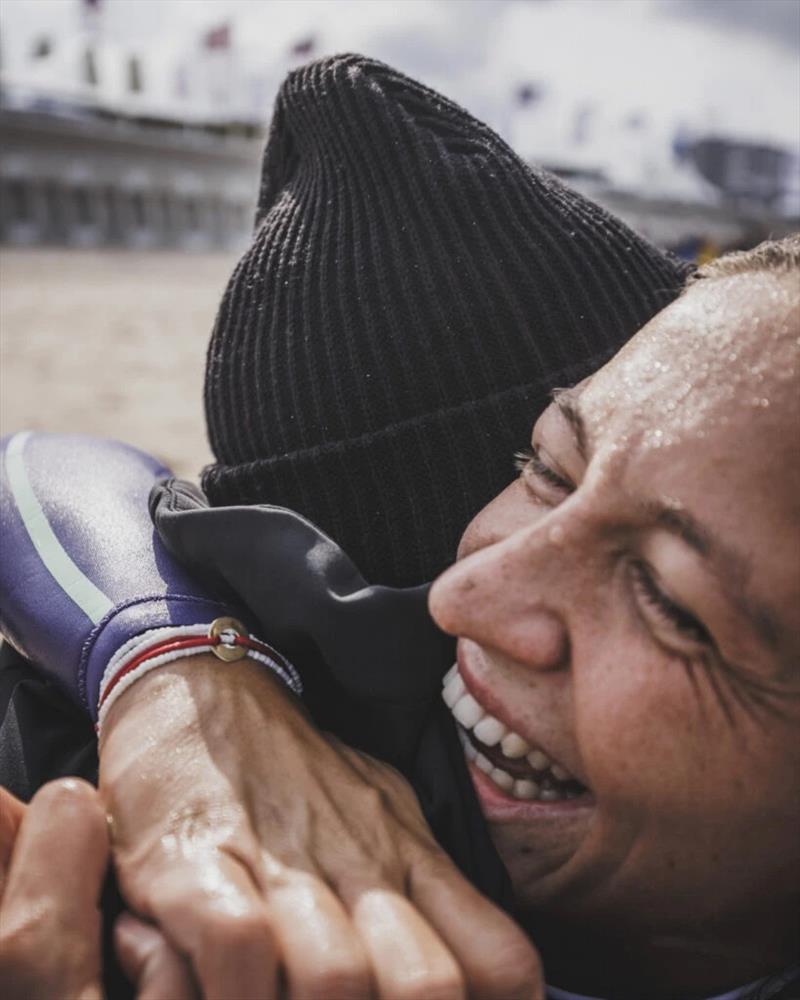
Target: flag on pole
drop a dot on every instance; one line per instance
(682, 143)
(135, 78)
(304, 46)
(218, 38)
(90, 75)
(635, 121)
(42, 48)
(528, 93)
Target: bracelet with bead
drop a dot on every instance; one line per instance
(225, 638)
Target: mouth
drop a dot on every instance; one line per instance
(517, 770)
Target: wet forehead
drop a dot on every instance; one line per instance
(729, 347)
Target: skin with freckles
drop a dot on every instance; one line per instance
(631, 605)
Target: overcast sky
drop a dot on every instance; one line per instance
(729, 66)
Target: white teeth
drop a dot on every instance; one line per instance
(453, 690)
(525, 789)
(514, 746)
(467, 711)
(490, 730)
(539, 761)
(450, 675)
(502, 779)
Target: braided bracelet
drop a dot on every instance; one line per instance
(226, 638)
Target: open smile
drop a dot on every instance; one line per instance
(512, 769)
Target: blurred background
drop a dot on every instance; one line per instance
(131, 133)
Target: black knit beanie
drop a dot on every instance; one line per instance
(412, 292)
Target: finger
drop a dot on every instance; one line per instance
(49, 917)
(61, 853)
(498, 960)
(152, 966)
(322, 954)
(213, 913)
(409, 960)
(11, 813)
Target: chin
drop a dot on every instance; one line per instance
(541, 864)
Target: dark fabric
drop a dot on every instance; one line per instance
(412, 292)
(370, 657)
(43, 733)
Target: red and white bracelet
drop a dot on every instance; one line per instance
(226, 638)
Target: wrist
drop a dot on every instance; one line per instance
(226, 638)
(171, 700)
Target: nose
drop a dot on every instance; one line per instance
(509, 596)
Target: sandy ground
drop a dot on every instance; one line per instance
(110, 343)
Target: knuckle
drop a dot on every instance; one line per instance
(23, 944)
(437, 984)
(515, 975)
(342, 979)
(242, 929)
(22, 935)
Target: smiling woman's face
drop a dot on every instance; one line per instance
(630, 608)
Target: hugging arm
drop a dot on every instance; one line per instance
(254, 841)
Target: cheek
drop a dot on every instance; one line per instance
(659, 746)
(637, 719)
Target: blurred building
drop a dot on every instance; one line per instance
(104, 145)
(84, 176)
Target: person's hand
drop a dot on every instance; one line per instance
(53, 858)
(281, 862)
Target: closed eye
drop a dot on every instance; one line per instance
(678, 617)
(530, 462)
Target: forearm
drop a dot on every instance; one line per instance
(82, 570)
(196, 704)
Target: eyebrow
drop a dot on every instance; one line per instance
(730, 567)
(565, 400)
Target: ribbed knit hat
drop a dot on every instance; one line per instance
(412, 292)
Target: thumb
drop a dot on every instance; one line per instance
(49, 913)
(61, 852)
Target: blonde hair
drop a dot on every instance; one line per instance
(776, 256)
